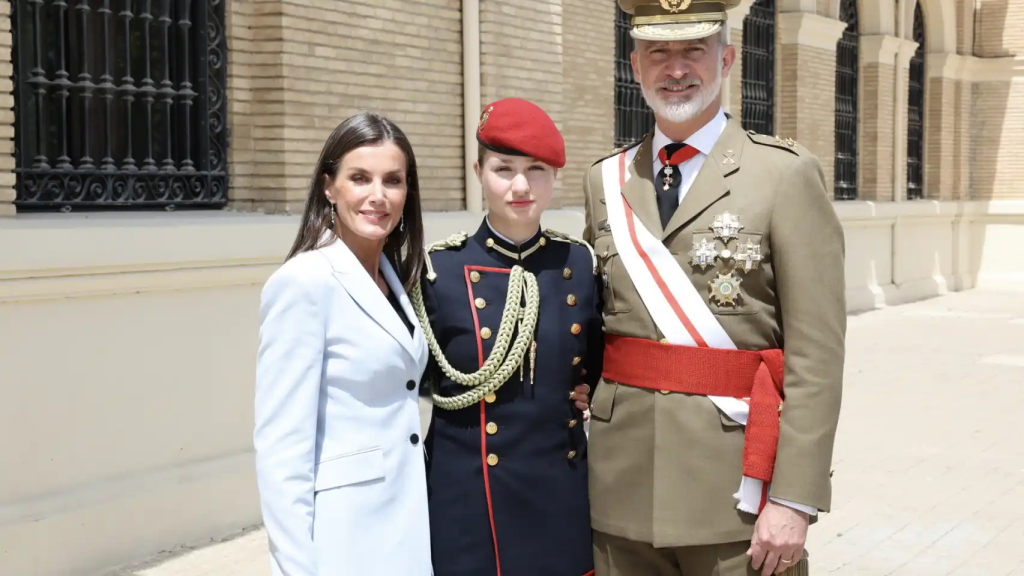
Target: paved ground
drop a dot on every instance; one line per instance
(929, 461)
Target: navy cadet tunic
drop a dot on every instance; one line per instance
(507, 477)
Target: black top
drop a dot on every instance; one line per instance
(398, 309)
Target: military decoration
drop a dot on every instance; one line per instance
(748, 254)
(484, 117)
(703, 254)
(675, 6)
(730, 158)
(726, 226)
(666, 181)
(725, 290)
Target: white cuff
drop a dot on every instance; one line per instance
(809, 510)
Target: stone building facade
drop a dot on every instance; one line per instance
(297, 67)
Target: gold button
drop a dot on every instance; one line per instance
(571, 300)
(576, 360)
(572, 423)
(572, 454)
(567, 274)
(664, 340)
(576, 328)
(490, 242)
(543, 241)
(492, 428)
(480, 303)
(492, 459)
(490, 398)
(485, 332)
(474, 276)
(666, 392)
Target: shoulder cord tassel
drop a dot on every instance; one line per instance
(497, 367)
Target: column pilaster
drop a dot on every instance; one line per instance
(807, 83)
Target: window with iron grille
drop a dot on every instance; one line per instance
(120, 103)
(915, 113)
(758, 112)
(633, 118)
(846, 104)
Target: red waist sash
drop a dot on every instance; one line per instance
(704, 371)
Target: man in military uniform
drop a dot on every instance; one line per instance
(723, 268)
(512, 315)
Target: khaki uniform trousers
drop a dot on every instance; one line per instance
(614, 556)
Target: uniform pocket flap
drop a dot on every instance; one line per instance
(350, 468)
(604, 400)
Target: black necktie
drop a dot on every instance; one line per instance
(667, 184)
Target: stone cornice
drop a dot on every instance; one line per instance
(906, 51)
(810, 30)
(974, 69)
(880, 49)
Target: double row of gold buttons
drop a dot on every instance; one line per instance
(485, 333)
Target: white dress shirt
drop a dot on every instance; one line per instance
(704, 141)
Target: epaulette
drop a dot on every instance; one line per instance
(556, 235)
(618, 150)
(454, 241)
(787, 144)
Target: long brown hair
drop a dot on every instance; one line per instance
(404, 245)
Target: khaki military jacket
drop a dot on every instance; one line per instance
(664, 467)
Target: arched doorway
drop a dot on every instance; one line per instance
(633, 118)
(915, 112)
(758, 111)
(847, 54)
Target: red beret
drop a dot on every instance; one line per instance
(519, 127)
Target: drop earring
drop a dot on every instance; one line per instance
(332, 216)
(401, 223)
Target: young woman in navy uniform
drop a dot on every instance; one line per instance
(512, 317)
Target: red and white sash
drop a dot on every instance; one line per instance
(675, 305)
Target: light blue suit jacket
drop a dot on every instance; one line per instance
(339, 460)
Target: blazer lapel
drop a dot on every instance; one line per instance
(357, 282)
(639, 189)
(711, 183)
(414, 343)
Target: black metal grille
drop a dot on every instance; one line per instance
(915, 113)
(633, 118)
(120, 103)
(846, 104)
(759, 68)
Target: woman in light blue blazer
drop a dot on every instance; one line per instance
(339, 458)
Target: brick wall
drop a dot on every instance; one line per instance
(243, 63)
(964, 26)
(736, 76)
(6, 113)
(940, 134)
(877, 140)
(997, 112)
(999, 28)
(309, 64)
(588, 104)
(521, 56)
(806, 111)
(962, 142)
(998, 130)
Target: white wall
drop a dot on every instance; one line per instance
(127, 347)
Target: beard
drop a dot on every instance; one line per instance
(678, 111)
